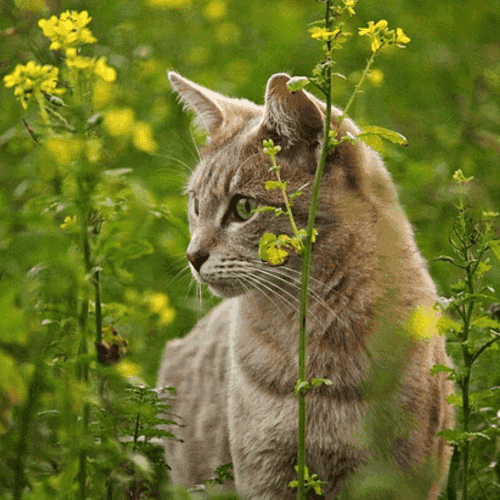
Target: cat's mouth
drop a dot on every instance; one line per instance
(220, 287)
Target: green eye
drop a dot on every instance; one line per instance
(244, 208)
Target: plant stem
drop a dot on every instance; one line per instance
(287, 205)
(305, 273)
(22, 445)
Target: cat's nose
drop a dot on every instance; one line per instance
(197, 258)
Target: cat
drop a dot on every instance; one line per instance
(235, 372)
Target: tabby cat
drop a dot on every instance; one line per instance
(235, 372)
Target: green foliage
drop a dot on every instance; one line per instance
(472, 332)
(443, 92)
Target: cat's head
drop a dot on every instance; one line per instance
(229, 183)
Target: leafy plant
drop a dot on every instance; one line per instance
(473, 331)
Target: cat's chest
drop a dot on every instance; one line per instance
(264, 352)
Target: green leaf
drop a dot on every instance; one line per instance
(474, 397)
(301, 387)
(444, 258)
(371, 132)
(445, 324)
(455, 400)
(484, 322)
(276, 184)
(495, 248)
(264, 209)
(315, 382)
(438, 368)
(451, 435)
(297, 83)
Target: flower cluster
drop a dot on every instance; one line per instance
(68, 30)
(381, 36)
(98, 67)
(32, 79)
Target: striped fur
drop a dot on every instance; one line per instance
(236, 370)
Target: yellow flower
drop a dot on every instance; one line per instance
(65, 150)
(373, 29)
(167, 316)
(119, 122)
(349, 4)
(73, 60)
(104, 71)
(157, 302)
(323, 33)
(377, 77)
(30, 79)
(401, 38)
(68, 221)
(422, 323)
(68, 31)
(143, 138)
(215, 10)
(128, 370)
(102, 94)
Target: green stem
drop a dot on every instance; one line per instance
(22, 445)
(356, 90)
(287, 204)
(305, 273)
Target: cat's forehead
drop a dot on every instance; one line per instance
(227, 164)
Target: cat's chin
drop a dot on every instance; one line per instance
(226, 291)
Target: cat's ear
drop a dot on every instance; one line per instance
(293, 117)
(205, 103)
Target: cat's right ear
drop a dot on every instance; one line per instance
(206, 104)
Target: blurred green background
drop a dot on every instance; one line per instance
(441, 92)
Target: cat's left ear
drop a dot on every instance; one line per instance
(214, 112)
(293, 117)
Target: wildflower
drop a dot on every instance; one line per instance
(143, 138)
(65, 150)
(157, 302)
(67, 31)
(373, 29)
(349, 4)
(460, 177)
(377, 77)
(73, 60)
(401, 38)
(323, 33)
(32, 79)
(215, 10)
(119, 122)
(102, 70)
(68, 221)
(422, 323)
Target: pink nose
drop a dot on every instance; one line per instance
(197, 258)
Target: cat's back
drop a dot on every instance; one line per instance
(196, 366)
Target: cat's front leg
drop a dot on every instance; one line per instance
(262, 432)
